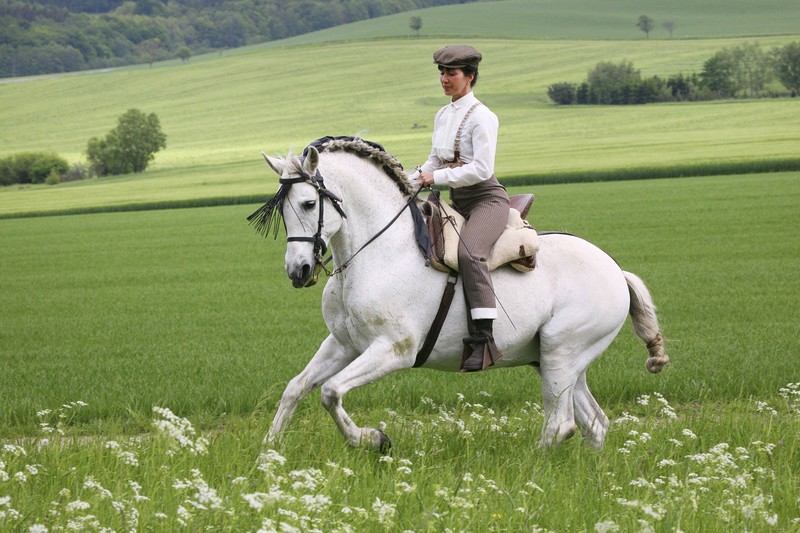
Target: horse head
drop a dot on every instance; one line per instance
(300, 202)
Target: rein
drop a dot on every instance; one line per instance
(410, 204)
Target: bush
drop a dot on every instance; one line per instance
(562, 93)
(78, 171)
(129, 147)
(31, 167)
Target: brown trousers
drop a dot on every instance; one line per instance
(485, 207)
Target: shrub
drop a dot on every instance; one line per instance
(562, 93)
(31, 167)
(78, 171)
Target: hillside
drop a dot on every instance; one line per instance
(48, 36)
(219, 111)
(578, 20)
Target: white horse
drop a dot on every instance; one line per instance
(381, 301)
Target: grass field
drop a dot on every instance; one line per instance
(190, 310)
(109, 315)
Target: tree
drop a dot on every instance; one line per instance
(669, 26)
(613, 84)
(645, 24)
(787, 66)
(415, 23)
(129, 147)
(719, 74)
(753, 68)
(184, 53)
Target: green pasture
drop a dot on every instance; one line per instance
(220, 112)
(190, 310)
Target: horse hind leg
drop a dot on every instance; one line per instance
(330, 358)
(588, 414)
(557, 390)
(568, 404)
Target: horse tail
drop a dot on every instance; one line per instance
(645, 322)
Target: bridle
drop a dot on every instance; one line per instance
(265, 219)
(320, 246)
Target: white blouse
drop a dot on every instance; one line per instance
(478, 143)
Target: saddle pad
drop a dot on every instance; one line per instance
(517, 245)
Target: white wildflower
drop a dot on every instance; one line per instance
(181, 430)
(315, 503)
(92, 484)
(77, 505)
(606, 526)
(268, 460)
(405, 487)
(689, 433)
(385, 511)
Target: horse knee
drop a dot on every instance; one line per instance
(329, 396)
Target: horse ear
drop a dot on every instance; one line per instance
(311, 162)
(276, 164)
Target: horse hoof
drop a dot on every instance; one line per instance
(384, 443)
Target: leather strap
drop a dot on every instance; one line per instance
(457, 143)
(438, 321)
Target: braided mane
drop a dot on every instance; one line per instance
(372, 151)
(267, 218)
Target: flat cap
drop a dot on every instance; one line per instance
(455, 56)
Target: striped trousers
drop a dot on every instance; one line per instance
(485, 207)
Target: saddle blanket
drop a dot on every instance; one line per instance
(516, 246)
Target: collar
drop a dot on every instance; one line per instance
(466, 100)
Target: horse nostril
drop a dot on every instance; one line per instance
(305, 272)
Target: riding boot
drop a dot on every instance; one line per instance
(480, 350)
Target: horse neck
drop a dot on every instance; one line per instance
(371, 199)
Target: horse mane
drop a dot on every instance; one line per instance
(266, 218)
(374, 152)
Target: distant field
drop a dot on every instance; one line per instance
(219, 113)
(578, 19)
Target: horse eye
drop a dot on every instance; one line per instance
(309, 204)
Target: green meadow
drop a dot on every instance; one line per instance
(191, 311)
(143, 352)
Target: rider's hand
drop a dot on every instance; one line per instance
(425, 179)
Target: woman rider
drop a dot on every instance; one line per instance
(462, 158)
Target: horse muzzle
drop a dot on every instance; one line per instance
(305, 275)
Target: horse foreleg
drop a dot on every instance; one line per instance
(380, 359)
(330, 358)
(588, 414)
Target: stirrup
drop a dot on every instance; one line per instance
(481, 343)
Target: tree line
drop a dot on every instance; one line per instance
(68, 35)
(743, 71)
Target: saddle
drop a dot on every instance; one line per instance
(516, 246)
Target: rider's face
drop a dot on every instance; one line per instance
(454, 82)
